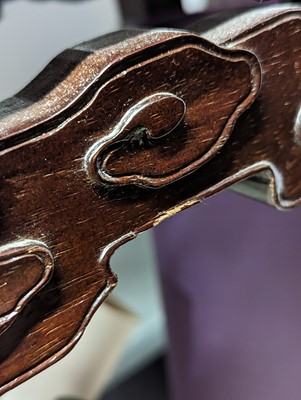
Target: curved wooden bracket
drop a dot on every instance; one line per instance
(116, 135)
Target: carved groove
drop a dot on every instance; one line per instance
(297, 128)
(25, 267)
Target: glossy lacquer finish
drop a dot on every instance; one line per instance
(116, 135)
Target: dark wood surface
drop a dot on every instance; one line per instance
(116, 135)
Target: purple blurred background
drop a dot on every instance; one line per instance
(231, 278)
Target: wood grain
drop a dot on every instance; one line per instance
(119, 133)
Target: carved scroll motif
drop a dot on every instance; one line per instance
(25, 267)
(167, 135)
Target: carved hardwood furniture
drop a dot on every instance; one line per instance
(119, 133)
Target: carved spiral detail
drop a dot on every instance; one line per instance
(143, 125)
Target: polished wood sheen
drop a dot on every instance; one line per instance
(119, 133)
